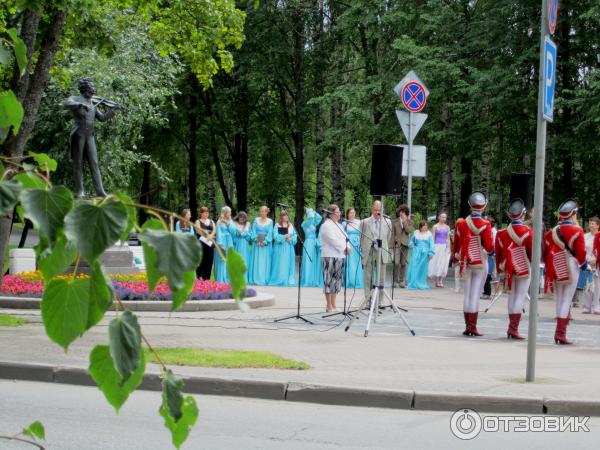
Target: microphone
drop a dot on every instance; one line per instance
(283, 205)
(384, 215)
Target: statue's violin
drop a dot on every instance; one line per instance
(97, 101)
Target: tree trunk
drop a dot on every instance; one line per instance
(15, 146)
(29, 29)
(145, 190)
(444, 188)
(212, 193)
(240, 168)
(337, 181)
(466, 185)
(31, 91)
(320, 155)
(192, 151)
(424, 197)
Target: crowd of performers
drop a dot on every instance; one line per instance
(344, 254)
(268, 247)
(566, 259)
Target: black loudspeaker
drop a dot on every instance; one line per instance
(521, 186)
(386, 169)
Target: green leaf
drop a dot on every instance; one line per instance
(47, 209)
(109, 381)
(125, 344)
(30, 180)
(56, 260)
(181, 295)
(94, 228)
(20, 50)
(4, 55)
(44, 161)
(180, 429)
(101, 293)
(177, 254)
(236, 269)
(131, 215)
(9, 193)
(11, 111)
(35, 430)
(150, 255)
(171, 394)
(64, 308)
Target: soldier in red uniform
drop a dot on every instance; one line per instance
(473, 241)
(564, 255)
(513, 255)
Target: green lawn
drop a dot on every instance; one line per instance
(181, 356)
(10, 321)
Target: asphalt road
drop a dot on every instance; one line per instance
(78, 418)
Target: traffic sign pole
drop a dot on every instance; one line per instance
(538, 201)
(409, 168)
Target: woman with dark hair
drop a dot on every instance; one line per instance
(185, 226)
(421, 244)
(588, 280)
(208, 249)
(354, 271)
(334, 249)
(283, 267)
(438, 267)
(242, 238)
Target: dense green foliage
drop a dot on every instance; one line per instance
(312, 89)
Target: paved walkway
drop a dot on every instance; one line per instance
(438, 358)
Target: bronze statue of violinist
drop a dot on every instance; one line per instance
(85, 111)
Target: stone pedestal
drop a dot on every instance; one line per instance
(117, 259)
(22, 260)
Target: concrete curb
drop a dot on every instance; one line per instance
(321, 394)
(258, 301)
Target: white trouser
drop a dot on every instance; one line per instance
(564, 292)
(591, 299)
(473, 286)
(516, 297)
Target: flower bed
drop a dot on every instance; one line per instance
(127, 287)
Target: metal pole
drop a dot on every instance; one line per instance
(409, 160)
(538, 202)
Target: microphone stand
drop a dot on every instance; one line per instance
(297, 315)
(379, 291)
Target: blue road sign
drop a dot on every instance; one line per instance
(552, 15)
(549, 78)
(414, 96)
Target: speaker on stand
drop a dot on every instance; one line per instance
(521, 186)
(386, 169)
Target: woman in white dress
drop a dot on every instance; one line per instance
(438, 266)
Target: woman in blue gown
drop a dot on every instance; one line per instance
(354, 271)
(421, 243)
(242, 237)
(224, 240)
(312, 272)
(262, 237)
(283, 263)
